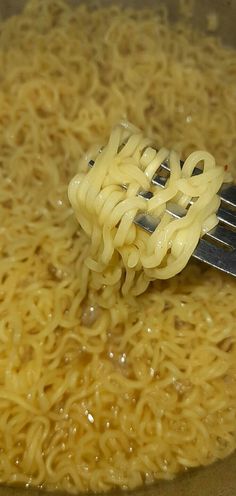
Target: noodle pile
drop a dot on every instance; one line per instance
(108, 211)
(100, 390)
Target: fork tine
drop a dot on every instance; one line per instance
(227, 192)
(219, 234)
(224, 215)
(205, 251)
(157, 180)
(227, 217)
(215, 256)
(166, 167)
(225, 236)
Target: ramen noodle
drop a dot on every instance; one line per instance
(110, 202)
(100, 390)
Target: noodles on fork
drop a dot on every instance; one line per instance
(108, 198)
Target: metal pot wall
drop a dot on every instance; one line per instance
(218, 479)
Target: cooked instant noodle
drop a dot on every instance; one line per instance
(108, 204)
(100, 390)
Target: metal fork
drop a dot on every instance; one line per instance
(216, 248)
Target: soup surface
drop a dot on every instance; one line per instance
(98, 390)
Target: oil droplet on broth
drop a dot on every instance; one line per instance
(122, 358)
(90, 315)
(89, 416)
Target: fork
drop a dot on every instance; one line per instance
(216, 248)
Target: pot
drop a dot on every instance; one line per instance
(218, 479)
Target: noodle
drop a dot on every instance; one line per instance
(100, 390)
(107, 212)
